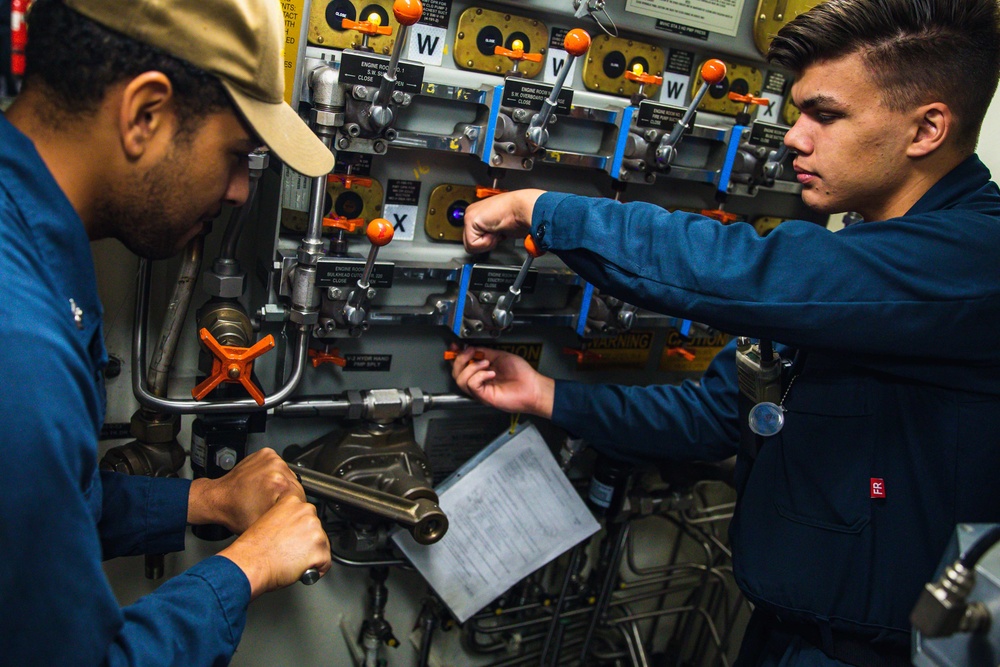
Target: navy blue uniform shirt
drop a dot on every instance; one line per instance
(58, 516)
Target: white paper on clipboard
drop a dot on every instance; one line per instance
(510, 511)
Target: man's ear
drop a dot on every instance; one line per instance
(935, 124)
(145, 112)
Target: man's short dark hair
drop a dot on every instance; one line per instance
(917, 51)
(76, 60)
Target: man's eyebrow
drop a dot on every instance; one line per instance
(818, 100)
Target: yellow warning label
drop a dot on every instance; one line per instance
(292, 9)
(684, 355)
(628, 350)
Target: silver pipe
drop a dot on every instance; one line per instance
(170, 406)
(330, 407)
(170, 334)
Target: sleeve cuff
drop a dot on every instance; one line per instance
(166, 514)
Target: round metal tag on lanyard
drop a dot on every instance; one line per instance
(766, 419)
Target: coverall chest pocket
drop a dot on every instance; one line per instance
(823, 456)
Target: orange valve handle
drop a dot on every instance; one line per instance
(750, 99)
(451, 355)
(636, 74)
(582, 355)
(347, 224)
(517, 54)
(576, 42)
(713, 71)
(320, 358)
(484, 192)
(233, 364)
(407, 12)
(532, 247)
(370, 27)
(680, 351)
(725, 217)
(380, 231)
(348, 180)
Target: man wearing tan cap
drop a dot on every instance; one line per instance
(134, 122)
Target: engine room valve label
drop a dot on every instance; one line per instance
(523, 94)
(499, 278)
(659, 116)
(367, 70)
(336, 272)
(771, 136)
(690, 355)
(374, 363)
(628, 350)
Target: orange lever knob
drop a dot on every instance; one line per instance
(231, 363)
(531, 247)
(576, 42)
(749, 99)
(347, 224)
(332, 357)
(380, 231)
(407, 12)
(367, 27)
(349, 180)
(713, 71)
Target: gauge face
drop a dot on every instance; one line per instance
(480, 31)
(610, 58)
(446, 206)
(337, 11)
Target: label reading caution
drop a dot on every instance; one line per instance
(690, 355)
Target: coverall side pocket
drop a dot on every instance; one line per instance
(823, 457)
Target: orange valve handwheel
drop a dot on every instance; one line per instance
(380, 232)
(407, 12)
(576, 42)
(233, 364)
(713, 71)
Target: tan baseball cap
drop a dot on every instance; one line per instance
(240, 42)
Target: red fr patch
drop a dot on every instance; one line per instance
(878, 487)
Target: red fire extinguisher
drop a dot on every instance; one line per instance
(18, 35)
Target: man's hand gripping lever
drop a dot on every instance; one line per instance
(421, 517)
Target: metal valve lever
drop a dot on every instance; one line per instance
(421, 517)
(502, 315)
(380, 232)
(407, 12)
(773, 166)
(712, 72)
(576, 43)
